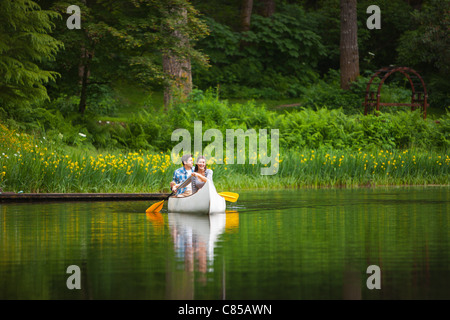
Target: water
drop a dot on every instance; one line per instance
(295, 244)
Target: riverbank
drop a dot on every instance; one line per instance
(6, 197)
(40, 170)
(39, 166)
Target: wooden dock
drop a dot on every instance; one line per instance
(43, 197)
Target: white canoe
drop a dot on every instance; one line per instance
(204, 201)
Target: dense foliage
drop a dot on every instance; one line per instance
(279, 58)
(24, 44)
(299, 128)
(33, 165)
(114, 63)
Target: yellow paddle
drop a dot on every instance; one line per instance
(156, 207)
(229, 196)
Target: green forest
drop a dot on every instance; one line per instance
(91, 91)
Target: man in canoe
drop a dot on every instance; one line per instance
(181, 175)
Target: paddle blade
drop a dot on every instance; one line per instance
(229, 196)
(155, 217)
(156, 207)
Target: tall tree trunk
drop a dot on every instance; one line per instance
(177, 66)
(246, 14)
(266, 8)
(83, 73)
(180, 78)
(349, 61)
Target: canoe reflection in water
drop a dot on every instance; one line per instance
(196, 236)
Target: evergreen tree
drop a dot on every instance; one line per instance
(25, 43)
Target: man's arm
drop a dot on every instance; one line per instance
(173, 183)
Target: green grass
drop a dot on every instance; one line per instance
(37, 166)
(270, 104)
(132, 100)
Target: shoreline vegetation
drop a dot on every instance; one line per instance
(102, 121)
(35, 165)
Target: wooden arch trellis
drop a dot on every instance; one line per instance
(419, 91)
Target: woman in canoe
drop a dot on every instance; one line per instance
(201, 174)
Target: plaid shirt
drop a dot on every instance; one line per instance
(180, 175)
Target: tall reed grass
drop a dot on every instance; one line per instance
(31, 165)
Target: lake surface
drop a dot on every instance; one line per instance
(294, 244)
